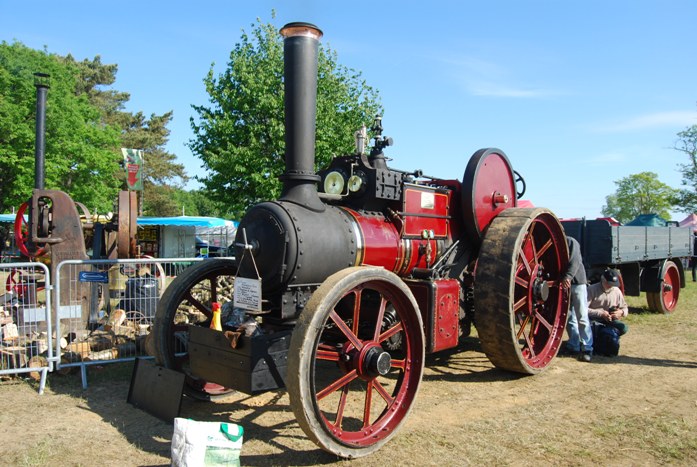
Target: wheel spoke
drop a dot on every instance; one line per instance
(367, 404)
(356, 311)
(345, 330)
(523, 324)
(378, 321)
(540, 253)
(214, 289)
(520, 304)
(525, 261)
(329, 355)
(339, 383)
(526, 338)
(531, 240)
(383, 393)
(196, 303)
(401, 364)
(390, 332)
(542, 320)
(341, 407)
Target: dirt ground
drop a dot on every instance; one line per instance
(636, 409)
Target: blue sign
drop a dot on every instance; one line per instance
(91, 276)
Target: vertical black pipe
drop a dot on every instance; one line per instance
(300, 46)
(41, 81)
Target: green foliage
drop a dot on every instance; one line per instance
(161, 174)
(86, 127)
(201, 203)
(240, 136)
(79, 147)
(686, 199)
(637, 194)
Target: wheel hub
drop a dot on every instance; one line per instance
(541, 290)
(539, 286)
(377, 362)
(371, 362)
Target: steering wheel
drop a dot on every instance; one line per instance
(519, 179)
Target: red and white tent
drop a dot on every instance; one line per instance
(689, 221)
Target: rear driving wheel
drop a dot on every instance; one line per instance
(666, 299)
(355, 362)
(521, 307)
(187, 302)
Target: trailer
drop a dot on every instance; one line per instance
(649, 258)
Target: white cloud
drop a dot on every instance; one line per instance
(489, 79)
(606, 158)
(492, 89)
(679, 118)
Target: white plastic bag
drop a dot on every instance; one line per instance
(206, 443)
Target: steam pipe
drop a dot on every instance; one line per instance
(41, 81)
(300, 47)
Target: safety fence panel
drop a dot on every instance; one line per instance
(26, 329)
(106, 309)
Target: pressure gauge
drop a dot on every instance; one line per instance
(355, 183)
(334, 183)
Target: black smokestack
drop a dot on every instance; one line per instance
(300, 73)
(41, 81)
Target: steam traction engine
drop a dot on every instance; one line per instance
(361, 279)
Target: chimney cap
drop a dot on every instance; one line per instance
(300, 28)
(42, 80)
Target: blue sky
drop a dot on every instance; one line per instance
(578, 94)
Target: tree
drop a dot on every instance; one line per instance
(79, 157)
(637, 194)
(162, 176)
(686, 199)
(86, 127)
(240, 136)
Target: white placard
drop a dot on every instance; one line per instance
(428, 200)
(247, 294)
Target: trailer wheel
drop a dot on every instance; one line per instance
(666, 299)
(520, 306)
(187, 301)
(355, 362)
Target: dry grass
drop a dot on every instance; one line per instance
(636, 409)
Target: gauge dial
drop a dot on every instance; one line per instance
(334, 183)
(355, 183)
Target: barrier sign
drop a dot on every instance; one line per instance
(93, 276)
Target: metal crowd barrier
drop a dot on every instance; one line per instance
(26, 330)
(105, 309)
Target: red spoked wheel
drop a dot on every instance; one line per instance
(666, 299)
(520, 305)
(187, 301)
(355, 361)
(21, 229)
